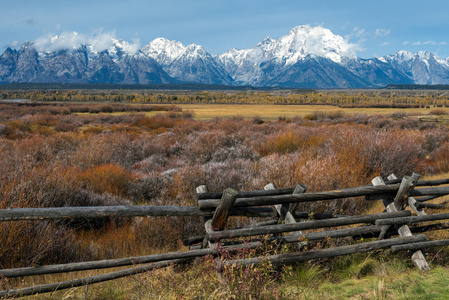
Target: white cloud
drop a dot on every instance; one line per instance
(357, 38)
(405, 43)
(385, 44)
(432, 43)
(14, 44)
(380, 32)
(97, 41)
(357, 32)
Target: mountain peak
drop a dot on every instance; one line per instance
(305, 56)
(163, 50)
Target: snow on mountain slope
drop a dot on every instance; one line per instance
(253, 66)
(163, 51)
(187, 63)
(305, 57)
(422, 67)
(117, 62)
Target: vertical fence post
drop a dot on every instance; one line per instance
(201, 190)
(223, 210)
(221, 214)
(412, 201)
(284, 212)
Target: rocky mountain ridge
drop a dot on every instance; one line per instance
(310, 57)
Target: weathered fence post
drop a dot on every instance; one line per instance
(404, 231)
(202, 189)
(221, 214)
(407, 184)
(412, 202)
(284, 211)
(223, 210)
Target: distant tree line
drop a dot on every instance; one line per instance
(361, 98)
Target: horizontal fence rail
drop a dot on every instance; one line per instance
(272, 229)
(328, 252)
(17, 214)
(215, 208)
(378, 191)
(285, 191)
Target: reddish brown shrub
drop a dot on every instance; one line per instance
(109, 178)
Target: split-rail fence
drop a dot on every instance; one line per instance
(404, 200)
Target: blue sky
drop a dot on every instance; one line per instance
(378, 27)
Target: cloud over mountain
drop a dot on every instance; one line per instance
(97, 42)
(305, 57)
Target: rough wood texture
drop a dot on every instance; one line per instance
(430, 205)
(392, 179)
(224, 209)
(378, 181)
(284, 213)
(403, 192)
(420, 245)
(102, 264)
(18, 214)
(412, 220)
(307, 197)
(303, 225)
(404, 231)
(329, 252)
(433, 191)
(323, 196)
(427, 198)
(414, 205)
(299, 189)
(247, 194)
(432, 182)
(207, 242)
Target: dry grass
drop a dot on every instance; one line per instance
(273, 112)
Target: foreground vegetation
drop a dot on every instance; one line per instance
(82, 154)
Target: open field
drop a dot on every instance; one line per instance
(273, 112)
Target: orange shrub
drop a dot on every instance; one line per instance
(155, 122)
(441, 159)
(292, 140)
(108, 178)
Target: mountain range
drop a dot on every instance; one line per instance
(307, 57)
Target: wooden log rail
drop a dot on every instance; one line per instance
(286, 191)
(243, 204)
(326, 253)
(272, 229)
(209, 204)
(412, 220)
(18, 214)
(419, 245)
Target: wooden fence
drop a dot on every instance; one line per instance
(274, 204)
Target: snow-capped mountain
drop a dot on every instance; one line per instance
(80, 65)
(260, 65)
(187, 63)
(307, 56)
(376, 71)
(163, 51)
(422, 67)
